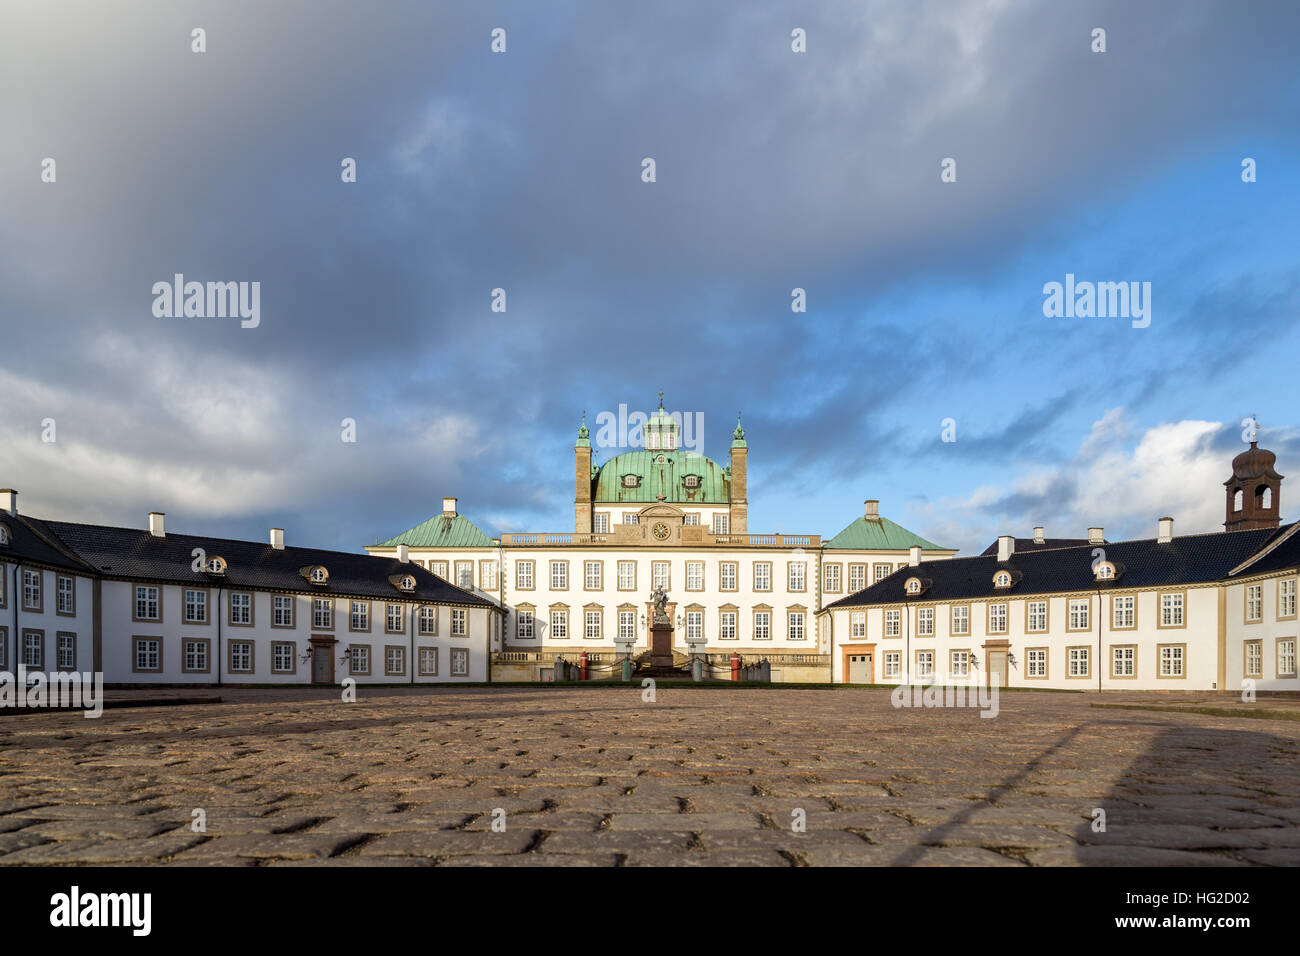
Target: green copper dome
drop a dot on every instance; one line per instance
(639, 477)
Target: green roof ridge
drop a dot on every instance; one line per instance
(880, 534)
(441, 531)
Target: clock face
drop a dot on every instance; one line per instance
(660, 531)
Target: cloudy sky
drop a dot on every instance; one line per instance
(522, 170)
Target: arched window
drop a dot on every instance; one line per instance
(1237, 498)
(1263, 497)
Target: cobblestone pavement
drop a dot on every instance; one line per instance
(597, 776)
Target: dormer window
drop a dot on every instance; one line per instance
(407, 583)
(1105, 571)
(1002, 580)
(691, 481)
(316, 574)
(4, 534)
(216, 565)
(631, 481)
(913, 586)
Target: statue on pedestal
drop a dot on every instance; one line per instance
(660, 598)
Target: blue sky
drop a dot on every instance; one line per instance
(522, 170)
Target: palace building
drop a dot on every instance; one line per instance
(149, 607)
(652, 517)
(1202, 612)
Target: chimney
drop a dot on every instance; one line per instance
(156, 524)
(277, 539)
(1038, 534)
(871, 509)
(403, 553)
(1096, 536)
(449, 507)
(1006, 547)
(9, 501)
(914, 555)
(1166, 531)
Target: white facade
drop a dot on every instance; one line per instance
(51, 613)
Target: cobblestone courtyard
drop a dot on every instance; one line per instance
(596, 776)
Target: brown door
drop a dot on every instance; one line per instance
(322, 664)
(997, 668)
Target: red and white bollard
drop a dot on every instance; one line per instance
(735, 666)
(582, 666)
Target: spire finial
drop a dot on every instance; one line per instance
(661, 399)
(583, 433)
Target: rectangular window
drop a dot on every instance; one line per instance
(925, 622)
(464, 574)
(960, 664)
(695, 575)
(925, 663)
(1286, 603)
(727, 626)
(1078, 661)
(997, 618)
(146, 603)
(882, 571)
(629, 517)
(593, 571)
(322, 613)
(1254, 659)
(65, 651)
(858, 624)
(524, 575)
(196, 657)
(593, 628)
(627, 575)
(524, 625)
(65, 596)
(762, 625)
(439, 568)
(721, 524)
(282, 657)
(459, 620)
(795, 575)
(1036, 616)
(1171, 660)
(241, 608)
(359, 659)
(961, 619)
(796, 626)
(1123, 661)
(831, 577)
(893, 622)
(148, 654)
(1254, 603)
(394, 619)
(487, 574)
(728, 572)
(1036, 662)
(282, 610)
(1079, 612)
(1123, 611)
(857, 577)
(196, 606)
(659, 577)
(627, 625)
(694, 625)
(241, 657)
(762, 576)
(1286, 657)
(1171, 610)
(360, 620)
(460, 662)
(601, 525)
(428, 662)
(428, 619)
(559, 625)
(559, 575)
(394, 661)
(692, 521)
(893, 663)
(32, 591)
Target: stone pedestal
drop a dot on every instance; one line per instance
(661, 645)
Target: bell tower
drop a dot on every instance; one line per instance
(1253, 491)
(582, 480)
(739, 504)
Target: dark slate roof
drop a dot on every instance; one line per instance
(31, 542)
(1029, 544)
(1192, 559)
(134, 554)
(1284, 556)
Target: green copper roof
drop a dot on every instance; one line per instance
(665, 479)
(879, 535)
(738, 436)
(442, 532)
